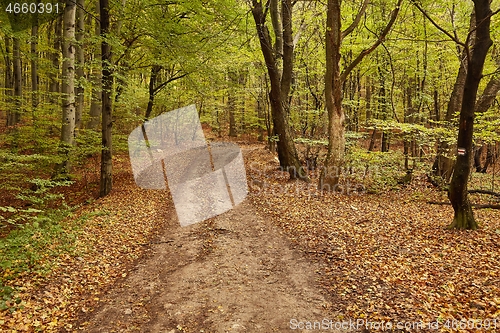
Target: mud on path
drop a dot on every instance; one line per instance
(232, 273)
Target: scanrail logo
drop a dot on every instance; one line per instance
(204, 179)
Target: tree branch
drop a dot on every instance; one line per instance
(477, 206)
(495, 194)
(157, 89)
(453, 38)
(356, 21)
(369, 50)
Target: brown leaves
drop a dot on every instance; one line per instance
(114, 232)
(388, 256)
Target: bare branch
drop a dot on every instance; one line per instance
(453, 38)
(356, 21)
(369, 50)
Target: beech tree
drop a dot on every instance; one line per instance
(334, 79)
(107, 111)
(457, 193)
(68, 84)
(475, 57)
(280, 78)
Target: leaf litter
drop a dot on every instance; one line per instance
(382, 257)
(388, 257)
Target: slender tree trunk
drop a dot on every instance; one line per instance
(231, 102)
(155, 70)
(34, 67)
(330, 173)
(435, 116)
(458, 194)
(68, 85)
(54, 83)
(9, 78)
(280, 86)
(382, 98)
(368, 101)
(80, 61)
(96, 78)
(443, 164)
(276, 21)
(107, 85)
(18, 82)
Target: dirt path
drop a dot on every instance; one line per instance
(233, 273)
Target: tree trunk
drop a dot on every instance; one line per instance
(18, 82)
(458, 194)
(80, 61)
(9, 77)
(443, 164)
(107, 85)
(231, 102)
(68, 85)
(54, 83)
(330, 173)
(368, 98)
(155, 70)
(34, 66)
(96, 78)
(280, 86)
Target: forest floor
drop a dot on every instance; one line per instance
(287, 255)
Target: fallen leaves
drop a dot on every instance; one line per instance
(387, 256)
(115, 229)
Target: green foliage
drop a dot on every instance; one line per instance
(28, 248)
(376, 171)
(39, 193)
(8, 300)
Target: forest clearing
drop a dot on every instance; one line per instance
(249, 166)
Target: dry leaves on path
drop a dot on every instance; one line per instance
(388, 256)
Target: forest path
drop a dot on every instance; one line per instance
(233, 273)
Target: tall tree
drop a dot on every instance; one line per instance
(54, 55)
(458, 194)
(80, 59)
(15, 114)
(107, 111)
(334, 79)
(280, 77)
(34, 65)
(68, 84)
(9, 76)
(443, 164)
(96, 78)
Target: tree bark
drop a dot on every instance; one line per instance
(54, 83)
(34, 66)
(96, 78)
(9, 77)
(334, 78)
(231, 102)
(330, 173)
(155, 70)
(15, 115)
(80, 61)
(68, 85)
(458, 194)
(443, 164)
(106, 179)
(280, 86)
